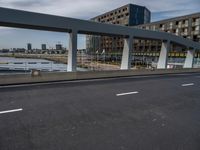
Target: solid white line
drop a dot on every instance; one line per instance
(189, 84)
(129, 93)
(10, 111)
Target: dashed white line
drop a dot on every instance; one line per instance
(189, 84)
(10, 111)
(129, 93)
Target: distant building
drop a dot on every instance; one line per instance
(4, 51)
(19, 50)
(58, 46)
(44, 47)
(128, 15)
(29, 46)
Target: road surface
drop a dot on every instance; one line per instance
(135, 113)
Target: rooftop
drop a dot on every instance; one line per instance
(127, 5)
(174, 19)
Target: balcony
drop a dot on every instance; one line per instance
(184, 33)
(195, 23)
(197, 32)
(179, 25)
(185, 25)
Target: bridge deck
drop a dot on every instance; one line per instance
(133, 113)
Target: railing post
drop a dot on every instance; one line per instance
(163, 59)
(72, 52)
(127, 53)
(189, 61)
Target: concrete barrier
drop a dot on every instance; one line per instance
(52, 77)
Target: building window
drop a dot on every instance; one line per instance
(197, 28)
(194, 19)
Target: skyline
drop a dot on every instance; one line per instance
(18, 37)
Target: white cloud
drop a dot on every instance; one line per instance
(85, 9)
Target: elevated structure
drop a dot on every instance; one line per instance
(30, 20)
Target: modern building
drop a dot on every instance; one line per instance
(185, 26)
(128, 15)
(58, 46)
(44, 47)
(29, 46)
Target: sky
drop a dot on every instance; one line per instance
(82, 9)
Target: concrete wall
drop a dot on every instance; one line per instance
(49, 77)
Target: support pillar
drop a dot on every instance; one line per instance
(72, 52)
(189, 61)
(162, 62)
(127, 53)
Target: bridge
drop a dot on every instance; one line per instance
(30, 20)
(146, 113)
(157, 110)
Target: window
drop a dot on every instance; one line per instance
(127, 14)
(197, 28)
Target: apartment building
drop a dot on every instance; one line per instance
(128, 15)
(186, 26)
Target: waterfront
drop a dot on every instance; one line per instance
(10, 65)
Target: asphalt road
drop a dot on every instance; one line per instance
(140, 113)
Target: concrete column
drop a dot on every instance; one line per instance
(72, 53)
(189, 59)
(162, 62)
(127, 53)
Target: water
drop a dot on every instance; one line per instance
(12, 65)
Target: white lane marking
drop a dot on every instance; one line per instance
(129, 93)
(10, 111)
(189, 84)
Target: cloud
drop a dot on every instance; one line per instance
(85, 9)
(25, 3)
(160, 15)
